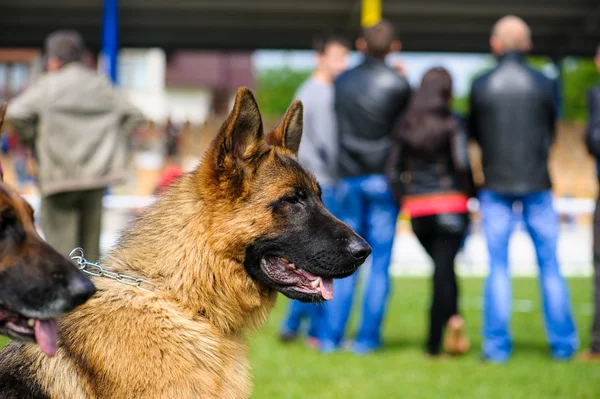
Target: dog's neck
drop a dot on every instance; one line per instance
(169, 246)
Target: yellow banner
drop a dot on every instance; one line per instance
(370, 12)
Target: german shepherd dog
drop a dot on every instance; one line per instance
(37, 284)
(218, 245)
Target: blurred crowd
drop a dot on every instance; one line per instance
(377, 146)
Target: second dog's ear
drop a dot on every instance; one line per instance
(2, 113)
(288, 134)
(241, 136)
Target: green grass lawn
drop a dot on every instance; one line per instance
(401, 370)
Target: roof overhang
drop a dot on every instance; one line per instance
(560, 27)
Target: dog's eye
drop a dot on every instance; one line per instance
(292, 199)
(297, 198)
(302, 194)
(7, 217)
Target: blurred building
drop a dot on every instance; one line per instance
(187, 86)
(16, 69)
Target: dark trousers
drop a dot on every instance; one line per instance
(74, 219)
(441, 236)
(596, 326)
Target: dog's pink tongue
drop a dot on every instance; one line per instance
(46, 335)
(327, 288)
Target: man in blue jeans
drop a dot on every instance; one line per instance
(318, 153)
(513, 116)
(368, 101)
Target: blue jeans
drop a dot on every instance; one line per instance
(366, 204)
(541, 221)
(298, 311)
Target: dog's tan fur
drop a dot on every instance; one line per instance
(186, 340)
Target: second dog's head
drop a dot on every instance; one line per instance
(37, 284)
(268, 208)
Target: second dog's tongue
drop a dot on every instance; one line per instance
(327, 288)
(46, 335)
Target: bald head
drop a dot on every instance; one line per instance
(510, 33)
(378, 40)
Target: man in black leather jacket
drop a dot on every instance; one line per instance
(368, 101)
(593, 143)
(513, 119)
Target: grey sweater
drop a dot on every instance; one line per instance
(318, 148)
(80, 126)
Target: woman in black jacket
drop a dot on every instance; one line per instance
(429, 172)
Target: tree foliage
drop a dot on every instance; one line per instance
(276, 88)
(579, 75)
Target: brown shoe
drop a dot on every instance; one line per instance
(313, 343)
(456, 342)
(589, 357)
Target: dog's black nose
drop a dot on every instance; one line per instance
(81, 289)
(359, 249)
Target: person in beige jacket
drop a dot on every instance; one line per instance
(79, 125)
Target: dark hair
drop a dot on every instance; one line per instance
(428, 123)
(323, 39)
(379, 38)
(66, 45)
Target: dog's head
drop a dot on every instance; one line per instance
(266, 209)
(37, 284)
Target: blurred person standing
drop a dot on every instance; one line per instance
(369, 99)
(318, 153)
(171, 170)
(513, 118)
(79, 125)
(428, 169)
(172, 138)
(21, 159)
(593, 143)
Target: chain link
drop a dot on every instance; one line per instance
(94, 269)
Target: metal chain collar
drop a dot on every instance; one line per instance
(94, 269)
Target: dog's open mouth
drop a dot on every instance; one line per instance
(22, 328)
(285, 273)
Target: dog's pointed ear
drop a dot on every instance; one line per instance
(241, 136)
(288, 134)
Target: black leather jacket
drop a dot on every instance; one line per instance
(513, 117)
(593, 128)
(368, 101)
(449, 171)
